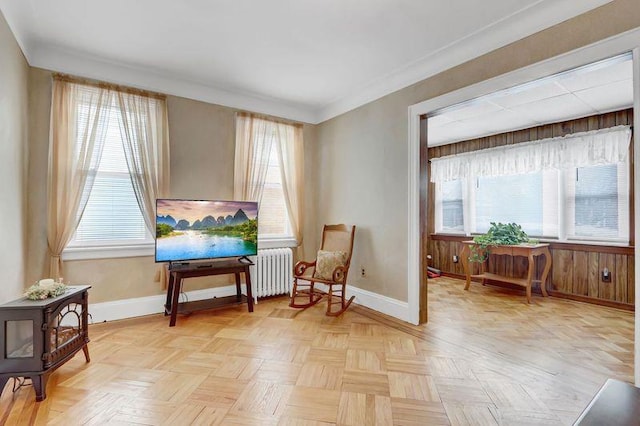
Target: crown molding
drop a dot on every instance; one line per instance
(56, 59)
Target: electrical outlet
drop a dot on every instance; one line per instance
(606, 275)
(455, 258)
(363, 273)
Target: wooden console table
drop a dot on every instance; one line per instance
(179, 272)
(530, 251)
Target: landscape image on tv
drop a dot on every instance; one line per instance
(190, 230)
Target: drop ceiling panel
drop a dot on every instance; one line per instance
(608, 97)
(559, 108)
(528, 94)
(604, 86)
(597, 77)
(507, 119)
(474, 109)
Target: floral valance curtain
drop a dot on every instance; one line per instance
(606, 146)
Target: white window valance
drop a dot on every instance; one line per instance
(606, 146)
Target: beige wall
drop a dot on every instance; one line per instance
(202, 153)
(13, 159)
(362, 155)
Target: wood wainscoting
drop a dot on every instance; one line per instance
(576, 270)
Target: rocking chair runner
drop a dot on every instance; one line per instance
(335, 238)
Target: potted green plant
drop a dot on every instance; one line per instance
(499, 234)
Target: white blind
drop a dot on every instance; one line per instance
(273, 218)
(450, 206)
(510, 199)
(112, 214)
(597, 201)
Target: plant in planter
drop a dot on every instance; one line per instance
(499, 234)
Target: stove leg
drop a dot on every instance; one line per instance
(3, 382)
(40, 386)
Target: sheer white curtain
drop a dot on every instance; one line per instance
(606, 146)
(145, 137)
(290, 147)
(78, 117)
(254, 139)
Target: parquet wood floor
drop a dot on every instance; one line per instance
(485, 358)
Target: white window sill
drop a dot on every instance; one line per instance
(106, 252)
(270, 243)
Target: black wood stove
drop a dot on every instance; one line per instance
(38, 336)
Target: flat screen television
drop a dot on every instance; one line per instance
(198, 229)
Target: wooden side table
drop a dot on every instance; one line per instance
(177, 273)
(530, 251)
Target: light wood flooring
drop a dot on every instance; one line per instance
(485, 358)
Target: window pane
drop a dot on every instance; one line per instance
(596, 201)
(452, 207)
(273, 211)
(507, 199)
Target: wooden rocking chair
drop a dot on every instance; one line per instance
(337, 242)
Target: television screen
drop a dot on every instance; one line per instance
(191, 229)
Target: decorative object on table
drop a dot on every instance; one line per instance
(499, 234)
(44, 289)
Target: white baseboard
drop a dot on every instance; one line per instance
(383, 304)
(140, 306)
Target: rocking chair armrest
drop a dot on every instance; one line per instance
(302, 266)
(340, 274)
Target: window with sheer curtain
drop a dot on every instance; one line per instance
(574, 188)
(269, 168)
(112, 215)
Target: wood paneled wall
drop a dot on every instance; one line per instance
(576, 268)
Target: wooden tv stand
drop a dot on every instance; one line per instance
(530, 251)
(221, 267)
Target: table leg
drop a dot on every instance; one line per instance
(464, 257)
(177, 284)
(530, 269)
(167, 304)
(238, 289)
(247, 275)
(547, 267)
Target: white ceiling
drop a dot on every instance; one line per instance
(593, 89)
(307, 60)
